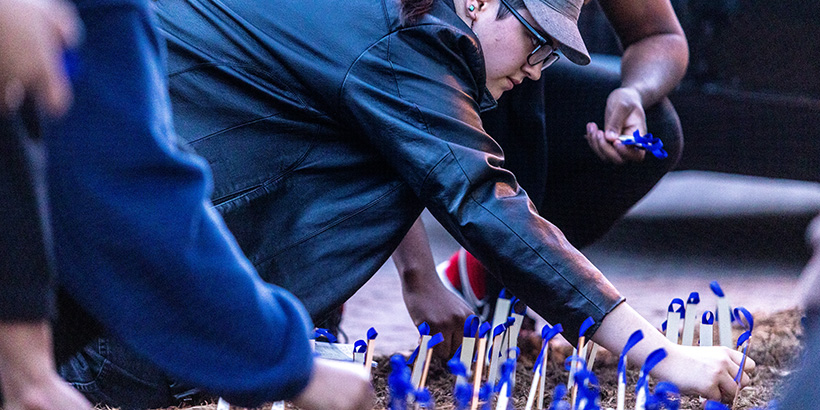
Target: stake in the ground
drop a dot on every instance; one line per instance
(468, 344)
(745, 340)
(642, 388)
(483, 330)
(463, 392)
(499, 347)
(371, 347)
(436, 339)
(415, 359)
(706, 325)
(500, 315)
(359, 351)
(723, 315)
(636, 337)
(505, 383)
(539, 369)
(690, 319)
(579, 352)
(673, 319)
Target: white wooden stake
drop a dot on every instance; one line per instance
(724, 319)
(222, 404)
(622, 388)
(279, 405)
(706, 328)
(418, 366)
(690, 320)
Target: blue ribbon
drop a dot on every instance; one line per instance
(547, 333)
(666, 396)
(744, 317)
(647, 142)
(558, 402)
(577, 359)
(319, 332)
(484, 395)
(436, 339)
(424, 330)
(471, 326)
(360, 346)
(694, 297)
(372, 333)
(663, 326)
(457, 355)
(713, 405)
(423, 398)
(636, 337)
(503, 293)
(483, 329)
(515, 302)
(510, 322)
(507, 370)
(681, 309)
(585, 326)
(651, 361)
(398, 383)
(589, 392)
(715, 286)
(708, 318)
(463, 392)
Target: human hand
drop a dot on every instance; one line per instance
(33, 34)
(624, 114)
(704, 371)
(337, 385)
(49, 393)
(431, 302)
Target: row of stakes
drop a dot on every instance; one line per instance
(475, 388)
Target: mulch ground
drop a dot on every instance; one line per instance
(775, 349)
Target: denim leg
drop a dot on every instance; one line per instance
(108, 372)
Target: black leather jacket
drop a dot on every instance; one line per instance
(330, 125)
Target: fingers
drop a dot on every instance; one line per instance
(53, 90)
(603, 148)
(67, 22)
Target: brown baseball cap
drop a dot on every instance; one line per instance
(559, 18)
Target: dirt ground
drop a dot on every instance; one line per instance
(775, 347)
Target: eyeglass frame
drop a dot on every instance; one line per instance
(538, 37)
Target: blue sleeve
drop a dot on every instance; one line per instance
(138, 243)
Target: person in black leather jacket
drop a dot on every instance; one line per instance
(330, 126)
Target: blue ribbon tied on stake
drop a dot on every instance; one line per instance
(424, 330)
(647, 142)
(471, 326)
(463, 392)
(636, 337)
(360, 346)
(743, 316)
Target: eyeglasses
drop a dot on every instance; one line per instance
(544, 51)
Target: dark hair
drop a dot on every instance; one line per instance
(412, 10)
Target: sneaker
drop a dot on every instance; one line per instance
(463, 269)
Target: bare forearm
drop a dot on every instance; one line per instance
(414, 259)
(655, 65)
(25, 353)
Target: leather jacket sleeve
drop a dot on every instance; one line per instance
(414, 96)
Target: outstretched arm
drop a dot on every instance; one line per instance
(420, 286)
(655, 58)
(706, 371)
(29, 377)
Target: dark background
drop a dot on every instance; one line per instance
(750, 102)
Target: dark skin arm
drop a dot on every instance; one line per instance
(426, 298)
(655, 58)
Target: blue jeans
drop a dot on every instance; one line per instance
(108, 372)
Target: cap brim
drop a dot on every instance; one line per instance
(562, 28)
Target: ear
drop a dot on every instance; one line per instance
(473, 7)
